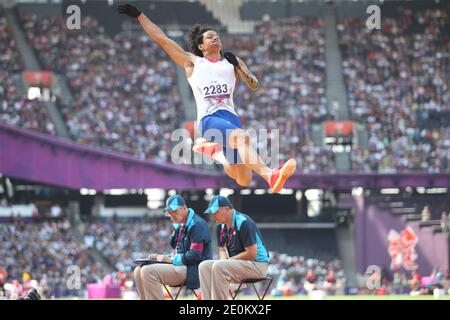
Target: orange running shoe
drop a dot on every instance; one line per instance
(207, 148)
(281, 174)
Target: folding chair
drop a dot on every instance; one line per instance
(252, 282)
(180, 286)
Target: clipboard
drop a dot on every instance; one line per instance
(144, 262)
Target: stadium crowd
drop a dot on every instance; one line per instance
(126, 98)
(396, 76)
(15, 109)
(39, 254)
(123, 242)
(297, 275)
(402, 282)
(124, 87)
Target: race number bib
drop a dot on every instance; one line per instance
(213, 90)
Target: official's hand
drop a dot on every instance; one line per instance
(162, 258)
(231, 58)
(129, 10)
(152, 256)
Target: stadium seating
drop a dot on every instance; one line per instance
(15, 108)
(384, 80)
(123, 242)
(395, 77)
(44, 252)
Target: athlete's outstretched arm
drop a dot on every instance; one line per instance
(242, 70)
(177, 53)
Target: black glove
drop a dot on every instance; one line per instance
(129, 10)
(231, 58)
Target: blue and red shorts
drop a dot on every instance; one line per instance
(217, 127)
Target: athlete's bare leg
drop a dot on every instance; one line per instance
(238, 172)
(276, 178)
(214, 151)
(240, 140)
(244, 175)
(229, 169)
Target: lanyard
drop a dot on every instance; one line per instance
(180, 235)
(178, 240)
(226, 239)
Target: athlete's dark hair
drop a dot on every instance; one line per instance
(195, 37)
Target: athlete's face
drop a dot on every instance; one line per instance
(211, 41)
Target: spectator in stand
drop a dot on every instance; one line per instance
(415, 284)
(310, 282)
(330, 283)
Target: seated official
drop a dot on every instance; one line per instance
(192, 244)
(243, 254)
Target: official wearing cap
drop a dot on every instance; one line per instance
(243, 254)
(191, 242)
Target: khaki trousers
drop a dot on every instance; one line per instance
(216, 276)
(150, 278)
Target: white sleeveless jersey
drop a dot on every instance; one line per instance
(213, 86)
